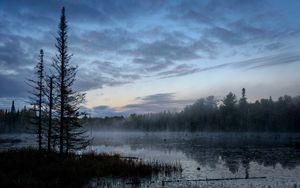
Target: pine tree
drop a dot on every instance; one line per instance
(243, 100)
(13, 108)
(37, 96)
(50, 103)
(71, 134)
(243, 105)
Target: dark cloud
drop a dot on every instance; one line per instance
(94, 80)
(167, 48)
(130, 9)
(213, 12)
(274, 46)
(107, 40)
(157, 98)
(13, 86)
(241, 32)
(162, 53)
(28, 9)
(152, 64)
(105, 73)
(102, 111)
(12, 54)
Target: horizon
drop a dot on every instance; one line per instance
(137, 56)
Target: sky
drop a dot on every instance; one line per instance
(152, 56)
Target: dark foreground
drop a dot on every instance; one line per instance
(30, 168)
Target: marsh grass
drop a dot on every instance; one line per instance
(31, 168)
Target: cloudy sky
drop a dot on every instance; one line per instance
(149, 56)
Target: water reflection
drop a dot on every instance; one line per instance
(204, 155)
(274, 156)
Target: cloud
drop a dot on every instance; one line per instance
(249, 64)
(163, 53)
(214, 11)
(151, 64)
(168, 48)
(101, 111)
(92, 80)
(105, 73)
(12, 54)
(13, 86)
(118, 42)
(107, 40)
(274, 46)
(272, 61)
(155, 103)
(147, 104)
(242, 32)
(179, 70)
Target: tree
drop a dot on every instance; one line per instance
(13, 108)
(243, 107)
(49, 94)
(228, 110)
(243, 100)
(71, 134)
(229, 101)
(37, 96)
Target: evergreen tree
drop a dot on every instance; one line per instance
(243, 100)
(243, 106)
(229, 101)
(13, 108)
(71, 134)
(37, 96)
(228, 111)
(50, 103)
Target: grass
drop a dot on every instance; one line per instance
(31, 168)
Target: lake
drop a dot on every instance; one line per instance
(274, 158)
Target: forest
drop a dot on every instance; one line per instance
(229, 114)
(207, 114)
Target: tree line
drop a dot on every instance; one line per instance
(228, 114)
(15, 120)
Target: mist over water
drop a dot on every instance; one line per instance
(212, 155)
(275, 156)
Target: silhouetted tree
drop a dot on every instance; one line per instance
(37, 96)
(71, 134)
(243, 107)
(49, 95)
(13, 108)
(243, 100)
(229, 112)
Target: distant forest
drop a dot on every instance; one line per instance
(14, 120)
(207, 114)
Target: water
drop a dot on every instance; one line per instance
(204, 155)
(211, 155)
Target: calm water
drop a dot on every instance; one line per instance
(211, 155)
(205, 155)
